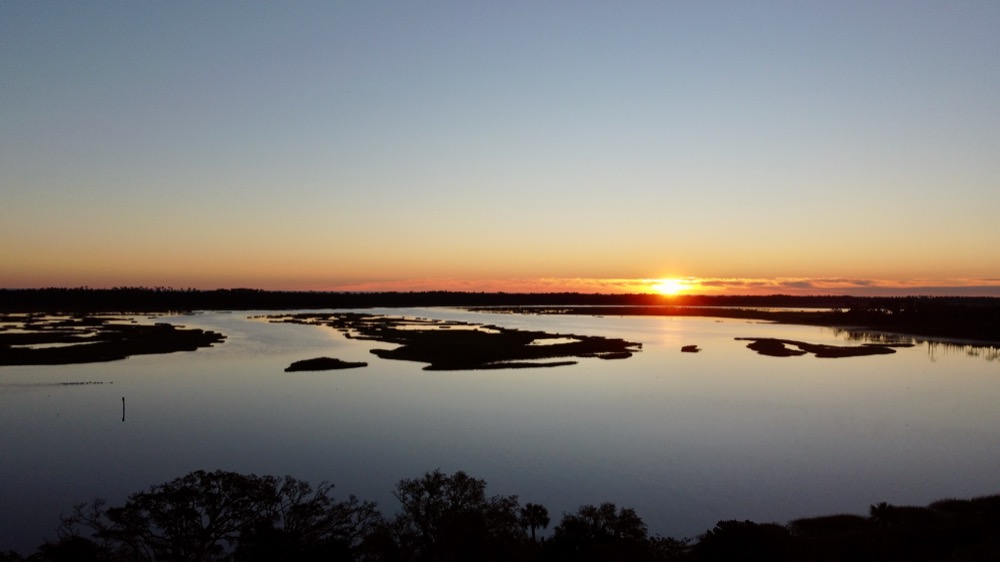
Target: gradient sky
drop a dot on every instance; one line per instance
(754, 146)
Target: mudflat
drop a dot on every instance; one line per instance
(323, 364)
(452, 345)
(39, 339)
(788, 348)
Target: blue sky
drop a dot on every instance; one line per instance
(325, 145)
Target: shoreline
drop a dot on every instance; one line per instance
(914, 327)
(972, 322)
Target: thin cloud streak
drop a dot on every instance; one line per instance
(851, 286)
(987, 287)
(505, 285)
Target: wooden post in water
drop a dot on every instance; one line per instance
(123, 408)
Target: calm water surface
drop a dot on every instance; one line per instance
(685, 439)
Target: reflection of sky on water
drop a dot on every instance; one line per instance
(686, 439)
(950, 346)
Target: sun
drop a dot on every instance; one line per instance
(670, 287)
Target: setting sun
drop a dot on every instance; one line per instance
(670, 287)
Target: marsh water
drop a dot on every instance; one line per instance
(684, 438)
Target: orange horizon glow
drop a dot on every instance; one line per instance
(666, 287)
(652, 286)
(688, 286)
(670, 286)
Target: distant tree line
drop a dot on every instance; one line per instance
(227, 516)
(152, 299)
(933, 317)
(159, 299)
(950, 318)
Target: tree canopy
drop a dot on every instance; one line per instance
(231, 517)
(223, 516)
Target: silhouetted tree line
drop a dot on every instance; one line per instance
(160, 299)
(926, 313)
(227, 516)
(953, 318)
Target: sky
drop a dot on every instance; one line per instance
(727, 147)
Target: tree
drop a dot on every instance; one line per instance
(450, 517)
(223, 516)
(604, 522)
(70, 549)
(882, 514)
(534, 516)
(745, 540)
(602, 532)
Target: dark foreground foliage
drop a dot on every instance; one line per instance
(218, 516)
(227, 516)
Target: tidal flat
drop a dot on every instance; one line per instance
(453, 345)
(324, 364)
(40, 339)
(788, 348)
(973, 322)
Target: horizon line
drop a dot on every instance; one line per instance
(964, 292)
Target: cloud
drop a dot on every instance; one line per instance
(854, 286)
(708, 286)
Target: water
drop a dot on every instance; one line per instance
(685, 439)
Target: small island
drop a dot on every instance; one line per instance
(323, 364)
(784, 348)
(42, 339)
(452, 345)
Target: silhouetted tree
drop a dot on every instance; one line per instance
(241, 518)
(223, 516)
(450, 518)
(881, 513)
(605, 521)
(72, 549)
(534, 516)
(744, 540)
(602, 532)
(668, 548)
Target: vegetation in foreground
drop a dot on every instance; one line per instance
(227, 516)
